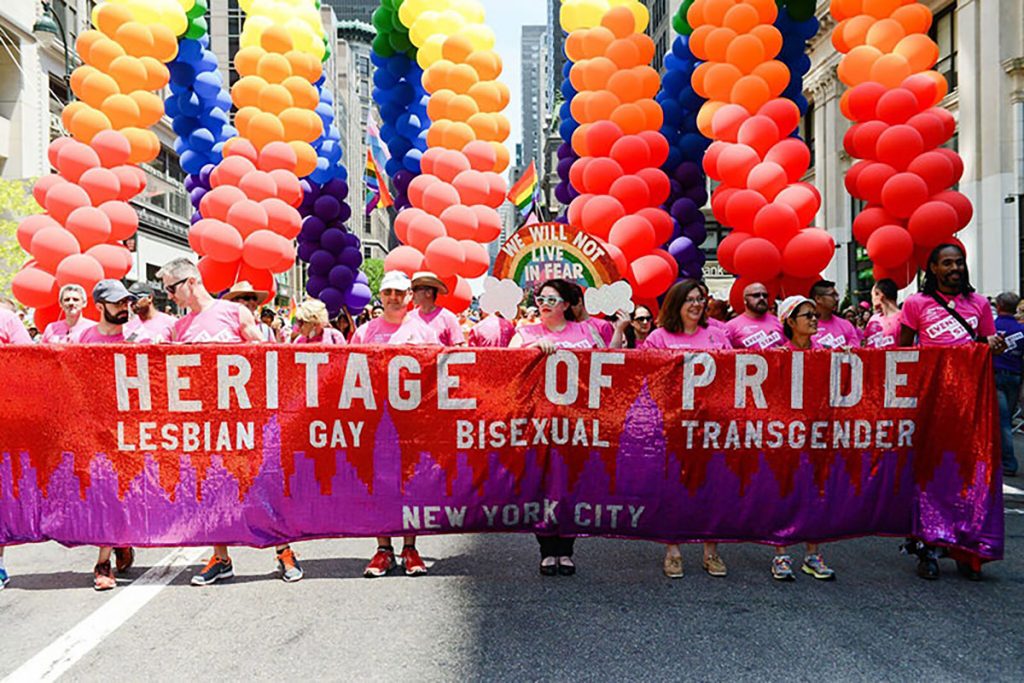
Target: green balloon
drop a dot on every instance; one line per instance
(382, 19)
(800, 10)
(396, 23)
(382, 46)
(197, 28)
(400, 41)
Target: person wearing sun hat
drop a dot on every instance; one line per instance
(426, 287)
(245, 294)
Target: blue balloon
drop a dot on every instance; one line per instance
(191, 162)
(189, 51)
(208, 85)
(392, 166)
(412, 160)
(182, 73)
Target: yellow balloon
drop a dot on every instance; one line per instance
(471, 10)
(431, 51)
(175, 20)
(480, 36)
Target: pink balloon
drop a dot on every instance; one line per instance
(758, 259)
(440, 196)
(808, 253)
(460, 222)
(488, 224)
(124, 221)
(496, 189)
(89, 225)
(418, 186)
(217, 202)
(404, 258)
(404, 219)
(62, 199)
(101, 184)
(261, 249)
(634, 235)
(890, 245)
(283, 219)
(472, 188)
(444, 256)
(30, 226)
(477, 259)
(75, 158)
(219, 241)
(423, 230)
(43, 186)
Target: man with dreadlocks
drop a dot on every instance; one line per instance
(947, 312)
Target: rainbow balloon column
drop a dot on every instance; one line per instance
(688, 194)
(758, 164)
(79, 238)
(455, 199)
(621, 149)
(564, 191)
(903, 173)
(199, 106)
(398, 92)
(797, 24)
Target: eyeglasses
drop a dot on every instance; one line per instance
(172, 288)
(757, 295)
(642, 319)
(810, 315)
(698, 301)
(392, 292)
(549, 300)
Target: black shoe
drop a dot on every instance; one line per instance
(566, 567)
(967, 571)
(548, 569)
(1009, 473)
(928, 568)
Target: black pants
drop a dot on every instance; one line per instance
(555, 546)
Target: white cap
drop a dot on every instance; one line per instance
(789, 306)
(396, 279)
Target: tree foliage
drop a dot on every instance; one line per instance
(374, 270)
(16, 202)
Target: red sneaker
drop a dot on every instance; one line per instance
(412, 562)
(382, 562)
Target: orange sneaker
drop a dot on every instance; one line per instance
(288, 563)
(215, 570)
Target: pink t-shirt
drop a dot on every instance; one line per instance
(936, 326)
(220, 323)
(837, 332)
(493, 331)
(156, 330)
(59, 333)
(704, 338)
(443, 322)
(815, 345)
(717, 324)
(93, 336)
(747, 332)
(329, 336)
(604, 328)
(12, 331)
(573, 336)
(882, 331)
(412, 330)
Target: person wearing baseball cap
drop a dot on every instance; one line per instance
(148, 324)
(426, 287)
(396, 326)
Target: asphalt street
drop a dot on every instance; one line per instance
(485, 613)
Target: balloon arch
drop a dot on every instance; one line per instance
(268, 183)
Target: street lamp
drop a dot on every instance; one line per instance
(50, 23)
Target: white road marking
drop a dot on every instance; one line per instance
(55, 659)
(1013, 490)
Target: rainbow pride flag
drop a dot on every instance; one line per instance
(524, 193)
(377, 195)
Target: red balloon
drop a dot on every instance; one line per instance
(477, 259)
(89, 225)
(289, 190)
(51, 245)
(34, 287)
(75, 158)
(651, 275)
(124, 221)
(404, 258)
(459, 296)
(633, 235)
(776, 223)
(30, 226)
(441, 195)
(283, 219)
(133, 181)
(46, 315)
(497, 188)
(735, 163)
(54, 148)
(472, 188)
(871, 180)
(112, 147)
(488, 224)
(247, 217)
(864, 139)
(720, 199)
(902, 274)
(481, 155)
(218, 240)
(936, 169)
(793, 155)
(632, 153)
(658, 146)
(948, 122)
(423, 230)
(727, 249)
(741, 207)
(931, 128)
(869, 220)
(101, 184)
(43, 186)
(599, 175)
(710, 160)
(802, 200)
(261, 249)
(79, 269)
(850, 181)
(897, 106)
(449, 164)
(758, 259)
(902, 193)
(62, 199)
(736, 299)
(767, 178)
(863, 100)
(808, 253)
(258, 185)
(460, 222)
(259, 278)
(599, 214)
(890, 245)
(230, 171)
(658, 184)
(600, 137)
(276, 156)
(444, 256)
(933, 223)
(727, 121)
(418, 186)
(115, 260)
(402, 221)
(898, 146)
(632, 193)
(195, 235)
(218, 276)
(954, 158)
(960, 203)
(759, 132)
(661, 221)
(576, 172)
(784, 113)
(217, 202)
(617, 257)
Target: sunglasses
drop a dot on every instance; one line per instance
(421, 288)
(759, 295)
(249, 299)
(392, 292)
(642, 319)
(549, 300)
(172, 288)
(811, 315)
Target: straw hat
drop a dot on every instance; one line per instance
(244, 288)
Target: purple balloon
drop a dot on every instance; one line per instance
(316, 284)
(204, 174)
(362, 279)
(341, 278)
(312, 228)
(333, 241)
(191, 183)
(696, 231)
(697, 194)
(196, 195)
(345, 213)
(563, 168)
(306, 250)
(402, 180)
(683, 249)
(350, 257)
(562, 193)
(351, 241)
(565, 151)
(689, 173)
(321, 262)
(327, 207)
(195, 217)
(336, 187)
(358, 297)
(685, 211)
(333, 299)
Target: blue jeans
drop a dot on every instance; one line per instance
(1008, 393)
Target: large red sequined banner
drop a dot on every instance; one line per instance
(165, 445)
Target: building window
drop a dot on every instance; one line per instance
(367, 252)
(944, 33)
(807, 129)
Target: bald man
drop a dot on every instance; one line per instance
(755, 328)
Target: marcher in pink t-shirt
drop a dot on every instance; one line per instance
(72, 300)
(834, 331)
(883, 328)
(220, 322)
(148, 325)
(380, 331)
(755, 328)
(314, 325)
(936, 326)
(604, 329)
(12, 331)
(492, 332)
(701, 338)
(426, 287)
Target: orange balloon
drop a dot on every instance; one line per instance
(86, 122)
(844, 9)
(304, 65)
(103, 53)
(650, 81)
(129, 72)
(151, 107)
(704, 116)
(745, 52)
(574, 45)
(578, 106)
(145, 144)
(456, 48)
(486, 96)
(598, 74)
(274, 98)
(485, 127)
(157, 74)
(855, 67)
(461, 78)
(502, 157)
(626, 86)
(624, 53)
(486, 63)
(919, 50)
(436, 131)
(914, 18)
(576, 75)
(890, 70)
(720, 80)
(884, 34)
(438, 105)
(698, 79)
(741, 18)
(645, 45)
(457, 135)
(276, 39)
(855, 30)
(110, 17)
(718, 43)
(750, 92)
(844, 105)
(78, 77)
(596, 41)
(136, 38)
(273, 67)
(699, 41)
(97, 88)
(122, 111)
(85, 42)
(775, 74)
(579, 140)
(436, 76)
(600, 106)
(305, 157)
(247, 59)
(770, 38)
(246, 91)
(654, 117)
(504, 127)
(838, 41)
(461, 108)
(304, 95)
(695, 15)
(620, 21)
(715, 11)
(242, 118)
(880, 9)
(265, 128)
(630, 118)
(767, 10)
(165, 43)
(301, 124)
(504, 93)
